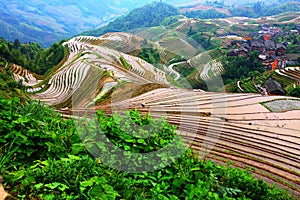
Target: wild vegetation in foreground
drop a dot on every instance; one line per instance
(43, 157)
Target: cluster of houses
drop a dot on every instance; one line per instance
(272, 31)
(271, 54)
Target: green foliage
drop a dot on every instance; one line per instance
(131, 142)
(247, 85)
(31, 55)
(295, 92)
(8, 86)
(203, 40)
(206, 14)
(260, 8)
(239, 66)
(125, 63)
(148, 16)
(168, 21)
(72, 177)
(42, 157)
(185, 70)
(150, 55)
(34, 130)
(146, 134)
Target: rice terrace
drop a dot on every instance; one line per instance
(196, 101)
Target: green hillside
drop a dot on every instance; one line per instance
(148, 16)
(254, 9)
(31, 55)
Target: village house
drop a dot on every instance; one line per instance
(257, 45)
(246, 46)
(263, 55)
(232, 34)
(272, 31)
(274, 88)
(268, 63)
(244, 50)
(280, 49)
(294, 31)
(281, 64)
(270, 46)
(292, 59)
(232, 52)
(237, 42)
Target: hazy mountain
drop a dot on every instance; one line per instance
(147, 16)
(46, 22)
(49, 21)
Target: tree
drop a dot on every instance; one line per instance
(295, 92)
(16, 44)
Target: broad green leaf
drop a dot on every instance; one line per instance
(63, 187)
(87, 183)
(72, 157)
(53, 185)
(141, 141)
(195, 169)
(159, 175)
(130, 140)
(127, 148)
(38, 186)
(173, 197)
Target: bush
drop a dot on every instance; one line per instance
(42, 157)
(295, 92)
(35, 131)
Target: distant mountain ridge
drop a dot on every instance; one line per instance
(147, 16)
(47, 22)
(155, 13)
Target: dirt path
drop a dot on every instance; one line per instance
(175, 72)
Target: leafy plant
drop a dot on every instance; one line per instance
(57, 165)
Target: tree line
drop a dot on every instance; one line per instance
(31, 55)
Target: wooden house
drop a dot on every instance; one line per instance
(280, 47)
(263, 56)
(257, 45)
(232, 52)
(242, 51)
(274, 88)
(270, 46)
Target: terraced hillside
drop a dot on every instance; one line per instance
(292, 73)
(233, 128)
(24, 75)
(91, 60)
(116, 53)
(247, 130)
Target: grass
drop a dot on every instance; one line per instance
(124, 63)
